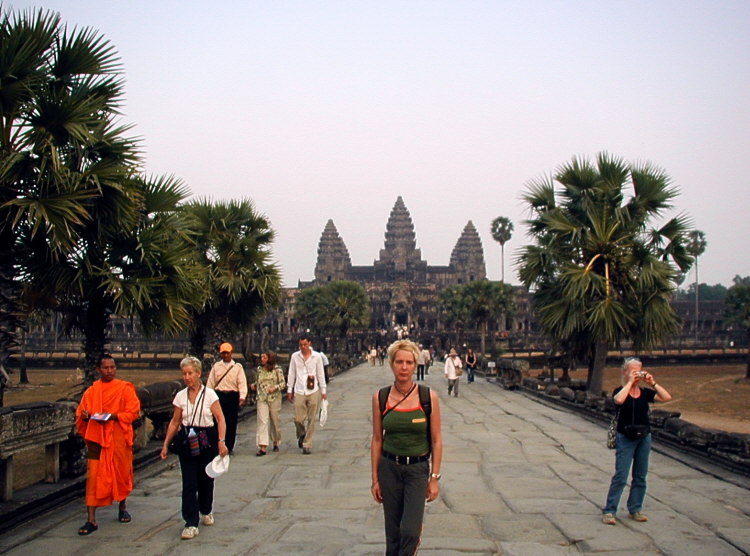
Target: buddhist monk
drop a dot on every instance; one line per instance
(104, 419)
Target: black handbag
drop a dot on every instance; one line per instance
(180, 445)
(635, 432)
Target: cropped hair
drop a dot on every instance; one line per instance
(628, 361)
(102, 357)
(192, 361)
(405, 345)
(305, 336)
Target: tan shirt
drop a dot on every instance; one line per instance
(234, 381)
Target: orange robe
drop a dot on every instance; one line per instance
(110, 477)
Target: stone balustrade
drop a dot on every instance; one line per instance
(27, 426)
(730, 450)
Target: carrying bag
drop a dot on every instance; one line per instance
(459, 371)
(636, 432)
(612, 431)
(180, 444)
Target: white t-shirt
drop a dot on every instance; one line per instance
(204, 417)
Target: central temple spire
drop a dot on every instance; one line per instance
(400, 251)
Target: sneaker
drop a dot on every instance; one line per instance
(189, 533)
(609, 519)
(207, 519)
(638, 516)
(306, 451)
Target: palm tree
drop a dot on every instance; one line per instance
(240, 281)
(453, 309)
(336, 307)
(487, 301)
(502, 230)
(737, 305)
(696, 246)
(62, 153)
(137, 262)
(599, 272)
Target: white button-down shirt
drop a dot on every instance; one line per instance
(300, 368)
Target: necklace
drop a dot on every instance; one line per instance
(404, 394)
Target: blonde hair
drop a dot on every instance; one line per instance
(405, 345)
(191, 361)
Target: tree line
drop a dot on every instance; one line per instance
(83, 231)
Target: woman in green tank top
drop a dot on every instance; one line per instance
(405, 437)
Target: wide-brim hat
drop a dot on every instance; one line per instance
(217, 466)
(453, 352)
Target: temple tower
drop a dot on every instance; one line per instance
(467, 258)
(400, 258)
(334, 262)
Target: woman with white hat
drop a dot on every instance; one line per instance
(199, 420)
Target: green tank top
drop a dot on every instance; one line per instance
(405, 432)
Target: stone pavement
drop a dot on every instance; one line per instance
(519, 478)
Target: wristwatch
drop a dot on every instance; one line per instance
(435, 476)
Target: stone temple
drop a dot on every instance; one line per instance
(402, 287)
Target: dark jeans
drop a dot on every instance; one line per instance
(197, 487)
(420, 372)
(470, 372)
(230, 407)
(635, 452)
(404, 489)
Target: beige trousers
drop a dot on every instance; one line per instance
(265, 412)
(306, 416)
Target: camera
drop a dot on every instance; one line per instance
(641, 374)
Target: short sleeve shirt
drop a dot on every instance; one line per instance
(634, 411)
(203, 416)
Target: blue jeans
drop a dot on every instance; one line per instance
(470, 372)
(635, 452)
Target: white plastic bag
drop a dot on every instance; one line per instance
(323, 412)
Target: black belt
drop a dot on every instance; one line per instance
(405, 460)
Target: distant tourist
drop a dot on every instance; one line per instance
(306, 386)
(373, 355)
(197, 413)
(453, 371)
(269, 387)
(633, 438)
(403, 442)
(471, 365)
(421, 363)
(104, 418)
(228, 378)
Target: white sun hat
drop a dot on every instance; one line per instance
(217, 466)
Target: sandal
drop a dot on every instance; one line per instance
(124, 517)
(87, 528)
(260, 453)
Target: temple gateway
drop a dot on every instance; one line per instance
(403, 288)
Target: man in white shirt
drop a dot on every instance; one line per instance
(228, 378)
(452, 370)
(306, 386)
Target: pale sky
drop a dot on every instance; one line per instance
(332, 109)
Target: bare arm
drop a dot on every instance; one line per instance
(221, 425)
(433, 487)
(172, 428)
(376, 447)
(661, 393)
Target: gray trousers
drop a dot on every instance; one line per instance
(404, 490)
